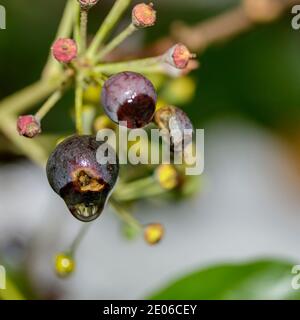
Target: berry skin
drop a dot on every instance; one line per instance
(74, 173)
(130, 97)
(179, 56)
(87, 4)
(64, 50)
(143, 15)
(28, 126)
(176, 123)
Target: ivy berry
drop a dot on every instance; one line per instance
(75, 174)
(129, 97)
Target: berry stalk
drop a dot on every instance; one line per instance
(78, 106)
(110, 21)
(116, 41)
(125, 215)
(78, 239)
(64, 31)
(49, 104)
(83, 30)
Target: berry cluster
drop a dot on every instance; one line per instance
(126, 96)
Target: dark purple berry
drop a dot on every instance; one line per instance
(74, 173)
(130, 97)
(177, 125)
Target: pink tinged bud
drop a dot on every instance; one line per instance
(179, 56)
(143, 15)
(87, 4)
(28, 126)
(64, 50)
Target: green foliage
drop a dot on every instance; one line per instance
(255, 280)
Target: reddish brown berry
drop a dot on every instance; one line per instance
(129, 97)
(179, 56)
(28, 126)
(143, 15)
(75, 174)
(64, 50)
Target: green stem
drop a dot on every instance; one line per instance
(78, 106)
(28, 97)
(78, 239)
(148, 65)
(125, 215)
(49, 104)
(64, 31)
(76, 23)
(116, 41)
(139, 189)
(83, 29)
(110, 21)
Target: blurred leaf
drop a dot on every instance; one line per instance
(256, 280)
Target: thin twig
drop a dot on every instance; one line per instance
(220, 28)
(116, 41)
(110, 21)
(64, 31)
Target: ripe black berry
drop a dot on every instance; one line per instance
(130, 97)
(74, 173)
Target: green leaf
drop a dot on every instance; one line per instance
(256, 280)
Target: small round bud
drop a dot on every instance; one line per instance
(28, 126)
(87, 4)
(143, 15)
(179, 56)
(64, 265)
(262, 11)
(153, 233)
(167, 176)
(64, 50)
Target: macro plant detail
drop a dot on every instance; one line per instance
(101, 82)
(124, 95)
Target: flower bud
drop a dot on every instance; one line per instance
(179, 56)
(64, 50)
(153, 233)
(87, 4)
(28, 126)
(167, 176)
(143, 15)
(64, 265)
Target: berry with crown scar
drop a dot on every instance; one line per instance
(28, 126)
(75, 174)
(64, 50)
(87, 4)
(179, 56)
(177, 126)
(129, 97)
(143, 15)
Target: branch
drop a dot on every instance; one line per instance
(229, 24)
